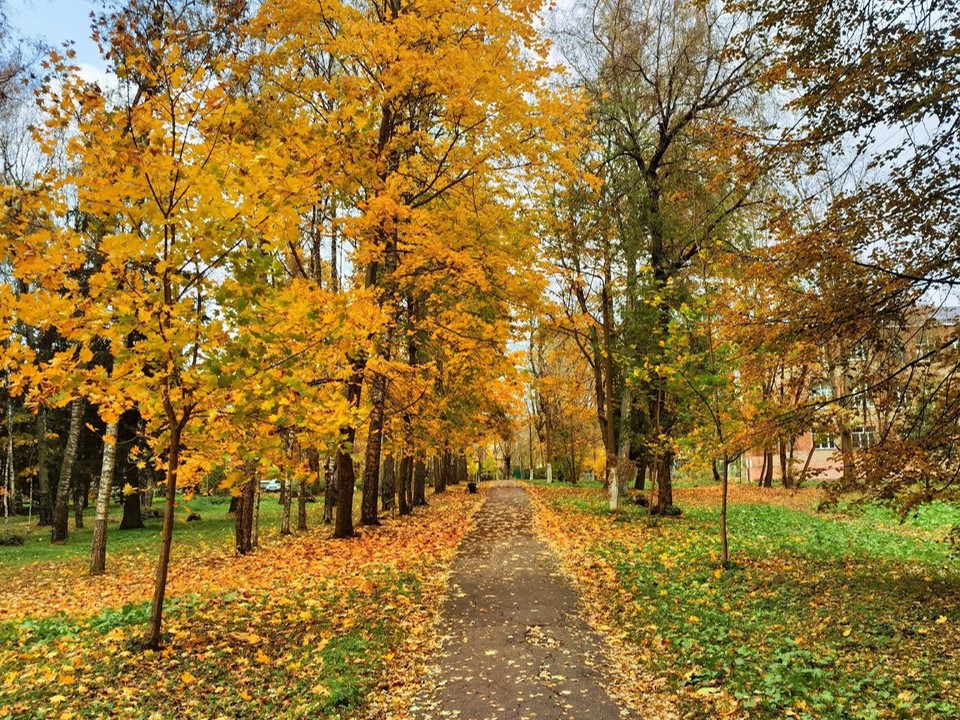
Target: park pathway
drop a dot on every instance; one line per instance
(514, 645)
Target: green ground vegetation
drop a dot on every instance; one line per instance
(847, 615)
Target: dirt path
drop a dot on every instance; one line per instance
(514, 645)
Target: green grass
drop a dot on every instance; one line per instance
(317, 653)
(820, 617)
(213, 530)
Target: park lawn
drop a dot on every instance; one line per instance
(306, 627)
(821, 616)
(214, 529)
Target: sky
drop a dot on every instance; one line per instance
(58, 21)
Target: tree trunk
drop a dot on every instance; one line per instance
(79, 495)
(255, 525)
(419, 483)
(846, 456)
(132, 518)
(388, 485)
(166, 534)
(329, 490)
(45, 511)
(806, 466)
(442, 479)
(785, 471)
(725, 484)
(403, 494)
(665, 481)
(98, 549)
(147, 490)
(243, 523)
(286, 491)
(768, 468)
(640, 481)
(61, 510)
(370, 487)
(344, 473)
(345, 479)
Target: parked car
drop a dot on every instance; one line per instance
(270, 486)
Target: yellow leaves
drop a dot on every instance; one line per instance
(248, 637)
(261, 657)
(129, 489)
(188, 678)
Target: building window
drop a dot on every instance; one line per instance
(863, 437)
(821, 391)
(823, 441)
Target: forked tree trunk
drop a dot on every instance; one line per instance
(98, 548)
(45, 513)
(61, 510)
(768, 468)
(786, 474)
(166, 534)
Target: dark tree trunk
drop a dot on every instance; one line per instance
(443, 476)
(132, 518)
(665, 481)
(329, 490)
(405, 477)
(768, 468)
(243, 523)
(45, 501)
(80, 489)
(640, 482)
(344, 473)
(286, 495)
(388, 485)
(370, 488)
(345, 479)
(786, 475)
(61, 510)
(419, 482)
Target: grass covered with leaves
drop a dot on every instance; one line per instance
(850, 615)
(306, 627)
